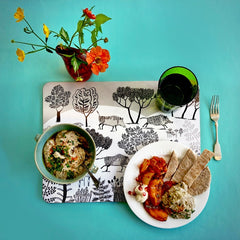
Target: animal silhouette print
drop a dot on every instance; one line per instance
(159, 120)
(112, 121)
(116, 160)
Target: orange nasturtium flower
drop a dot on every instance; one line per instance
(19, 14)
(98, 58)
(46, 31)
(89, 13)
(21, 54)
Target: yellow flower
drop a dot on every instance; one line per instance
(21, 54)
(46, 31)
(79, 79)
(19, 14)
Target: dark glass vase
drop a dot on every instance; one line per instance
(84, 71)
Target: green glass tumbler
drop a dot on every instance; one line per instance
(177, 86)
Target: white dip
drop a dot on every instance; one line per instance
(141, 193)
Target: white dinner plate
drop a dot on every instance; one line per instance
(160, 149)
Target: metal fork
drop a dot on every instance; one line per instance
(214, 114)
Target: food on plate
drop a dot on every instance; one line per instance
(202, 183)
(155, 191)
(158, 213)
(150, 178)
(172, 166)
(197, 167)
(146, 177)
(64, 153)
(145, 164)
(155, 167)
(167, 188)
(141, 193)
(186, 163)
(180, 203)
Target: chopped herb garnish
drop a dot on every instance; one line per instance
(70, 174)
(64, 155)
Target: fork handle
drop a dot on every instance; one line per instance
(217, 148)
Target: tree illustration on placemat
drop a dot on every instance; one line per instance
(102, 193)
(82, 195)
(48, 191)
(117, 187)
(58, 99)
(85, 101)
(191, 132)
(102, 143)
(50, 188)
(126, 96)
(196, 105)
(174, 134)
(135, 138)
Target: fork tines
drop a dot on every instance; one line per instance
(215, 104)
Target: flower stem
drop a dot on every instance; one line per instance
(34, 32)
(94, 43)
(36, 45)
(38, 50)
(72, 39)
(78, 31)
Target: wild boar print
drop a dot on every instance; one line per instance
(112, 121)
(116, 160)
(158, 120)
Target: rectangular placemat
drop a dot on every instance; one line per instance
(122, 117)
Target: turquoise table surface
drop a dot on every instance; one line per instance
(145, 38)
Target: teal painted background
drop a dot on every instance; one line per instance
(145, 38)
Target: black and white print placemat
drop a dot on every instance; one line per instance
(121, 117)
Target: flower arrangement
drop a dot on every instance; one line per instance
(80, 62)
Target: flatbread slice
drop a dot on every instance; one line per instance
(172, 166)
(202, 183)
(189, 158)
(197, 167)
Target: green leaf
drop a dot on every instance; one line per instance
(75, 63)
(64, 35)
(81, 38)
(80, 26)
(101, 19)
(67, 55)
(92, 8)
(94, 37)
(100, 29)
